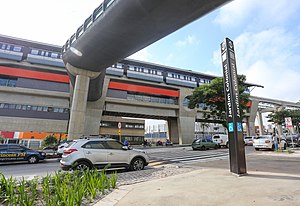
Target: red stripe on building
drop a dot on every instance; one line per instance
(143, 89)
(16, 72)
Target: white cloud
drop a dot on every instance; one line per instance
(189, 40)
(44, 21)
(142, 55)
(269, 58)
(256, 12)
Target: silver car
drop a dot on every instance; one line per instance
(267, 142)
(97, 153)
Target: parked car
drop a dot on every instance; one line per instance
(15, 152)
(293, 140)
(97, 153)
(62, 146)
(221, 140)
(267, 142)
(204, 144)
(249, 140)
(169, 143)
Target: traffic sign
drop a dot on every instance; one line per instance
(119, 132)
(119, 125)
(288, 122)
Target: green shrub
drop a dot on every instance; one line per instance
(62, 188)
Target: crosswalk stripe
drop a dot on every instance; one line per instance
(169, 157)
(204, 157)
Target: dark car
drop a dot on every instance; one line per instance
(15, 152)
(293, 140)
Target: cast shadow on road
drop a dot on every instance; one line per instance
(269, 176)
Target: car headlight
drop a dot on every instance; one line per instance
(43, 153)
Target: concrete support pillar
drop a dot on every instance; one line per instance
(186, 129)
(78, 108)
(79, 101)
(94, 111)
(260, 122)
(251, 120)
(251, 128)
(173, 130)
(185, 122)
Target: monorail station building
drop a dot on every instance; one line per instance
(36, 94)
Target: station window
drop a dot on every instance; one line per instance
(17, 48)
(35, 51)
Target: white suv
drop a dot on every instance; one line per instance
(221, 140)
(93, 152)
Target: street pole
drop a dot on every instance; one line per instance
(233, 111)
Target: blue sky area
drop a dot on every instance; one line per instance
(266, 34)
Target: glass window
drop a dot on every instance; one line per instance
(11, 83)
(61, 110)
(18, 106)
(66, 110)
(24, 107)
(94, 145)
(5, 106)
(17, 48)
(15, 148)
(54, 55)
(35, 51)
(45, 109)
(3, 82)
(34, 108)
(113, 145)
(39, 108)
(11, 106)
(55, 109)
(2, 105)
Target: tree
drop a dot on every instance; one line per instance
(211, 97)
(50, 140)
(278, 117)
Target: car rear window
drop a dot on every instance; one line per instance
(216, 137)
(71, 144)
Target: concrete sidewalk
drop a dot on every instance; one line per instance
(210, 187)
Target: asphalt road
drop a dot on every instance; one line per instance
(266, 161)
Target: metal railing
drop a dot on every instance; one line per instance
(87, 23)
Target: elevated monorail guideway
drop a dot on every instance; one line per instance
(115, 30)
(118, 28)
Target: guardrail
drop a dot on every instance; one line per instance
(87, 23)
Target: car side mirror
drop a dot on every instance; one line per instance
(125, 148)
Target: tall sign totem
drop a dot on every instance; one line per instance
(233, 112)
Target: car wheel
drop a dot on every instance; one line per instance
(33, 159)
(227, 145)
(216, 146)
(284, 146)
(82, 166)
(256, 149)
(203, 148)
(137, 164)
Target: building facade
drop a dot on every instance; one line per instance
(35, 94)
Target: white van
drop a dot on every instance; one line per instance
(221, 140)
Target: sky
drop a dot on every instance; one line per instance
(266, 36)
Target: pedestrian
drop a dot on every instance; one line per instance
(126, 142)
